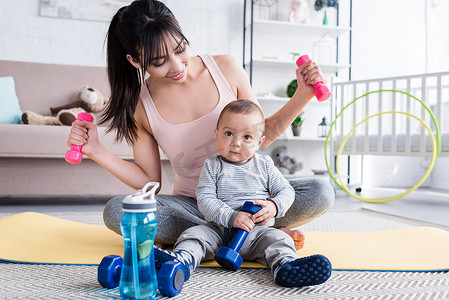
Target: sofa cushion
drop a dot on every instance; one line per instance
(10, 112)
(45, 141)
(41, 86)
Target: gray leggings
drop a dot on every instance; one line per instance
(175, 213)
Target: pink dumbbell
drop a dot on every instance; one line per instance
(74, 156)
(321, 91)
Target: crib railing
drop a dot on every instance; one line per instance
(391, 134)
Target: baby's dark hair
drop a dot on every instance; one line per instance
(245, 107)
(141, 30)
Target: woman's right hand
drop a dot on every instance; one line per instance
(84, 134)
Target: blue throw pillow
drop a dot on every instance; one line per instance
(10, 112)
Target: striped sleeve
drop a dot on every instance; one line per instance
(282, 192)
(213, 209)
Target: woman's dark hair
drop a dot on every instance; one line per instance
(140, 30)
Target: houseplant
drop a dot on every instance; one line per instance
(291, 88)
(297, 123)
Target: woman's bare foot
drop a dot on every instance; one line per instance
(297, 236)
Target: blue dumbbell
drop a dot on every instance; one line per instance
(170, 277)
(229, 257)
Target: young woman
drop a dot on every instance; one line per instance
(163, 97)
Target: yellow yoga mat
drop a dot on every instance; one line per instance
(38, 238)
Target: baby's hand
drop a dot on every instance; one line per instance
(266, 213)
(243, 220)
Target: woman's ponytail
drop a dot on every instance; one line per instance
(139, 30)
(124, 81)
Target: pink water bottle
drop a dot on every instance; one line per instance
(321, 91)
(74, 156)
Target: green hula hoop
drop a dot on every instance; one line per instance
(429, 169)
(437, 129)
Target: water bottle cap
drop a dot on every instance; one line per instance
(142, 201)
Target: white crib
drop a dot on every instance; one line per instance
(389, 134)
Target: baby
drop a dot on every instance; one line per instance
(237, 175)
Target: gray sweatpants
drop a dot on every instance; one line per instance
(266, 245)
(313, 197)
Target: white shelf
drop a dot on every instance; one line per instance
(301, 139)
(267, 26)
(273, 68)
(274, 99)
(304, 137)
(283, 100)
(289, 64)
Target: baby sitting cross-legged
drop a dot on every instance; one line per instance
(227, 181)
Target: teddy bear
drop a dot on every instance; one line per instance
(285, 163)
(87, 99)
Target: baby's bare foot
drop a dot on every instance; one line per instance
(297, 236)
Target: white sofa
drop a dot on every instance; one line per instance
(32, 156)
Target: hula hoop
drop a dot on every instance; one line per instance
(429, 169)
(437, 129)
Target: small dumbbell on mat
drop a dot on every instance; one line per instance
(170, 277)
(229, 257)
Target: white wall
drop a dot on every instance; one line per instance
(25, 36)
(389, 37)
(400, 37)
(212, 26)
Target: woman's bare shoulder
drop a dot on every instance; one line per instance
(226, 62)
(141, 117)
(236, 76)
(231, 68)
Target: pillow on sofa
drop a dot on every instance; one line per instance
(10, 112)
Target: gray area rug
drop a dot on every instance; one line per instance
(29, 281)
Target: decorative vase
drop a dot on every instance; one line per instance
(325, 18)
(296, 130)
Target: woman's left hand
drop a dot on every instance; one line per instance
(312, 73)
(266, 213)
(308, 74)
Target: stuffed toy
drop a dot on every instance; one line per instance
(299, 12)
(285, 163)
(87, 99)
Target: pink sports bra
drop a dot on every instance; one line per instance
(188, 145)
